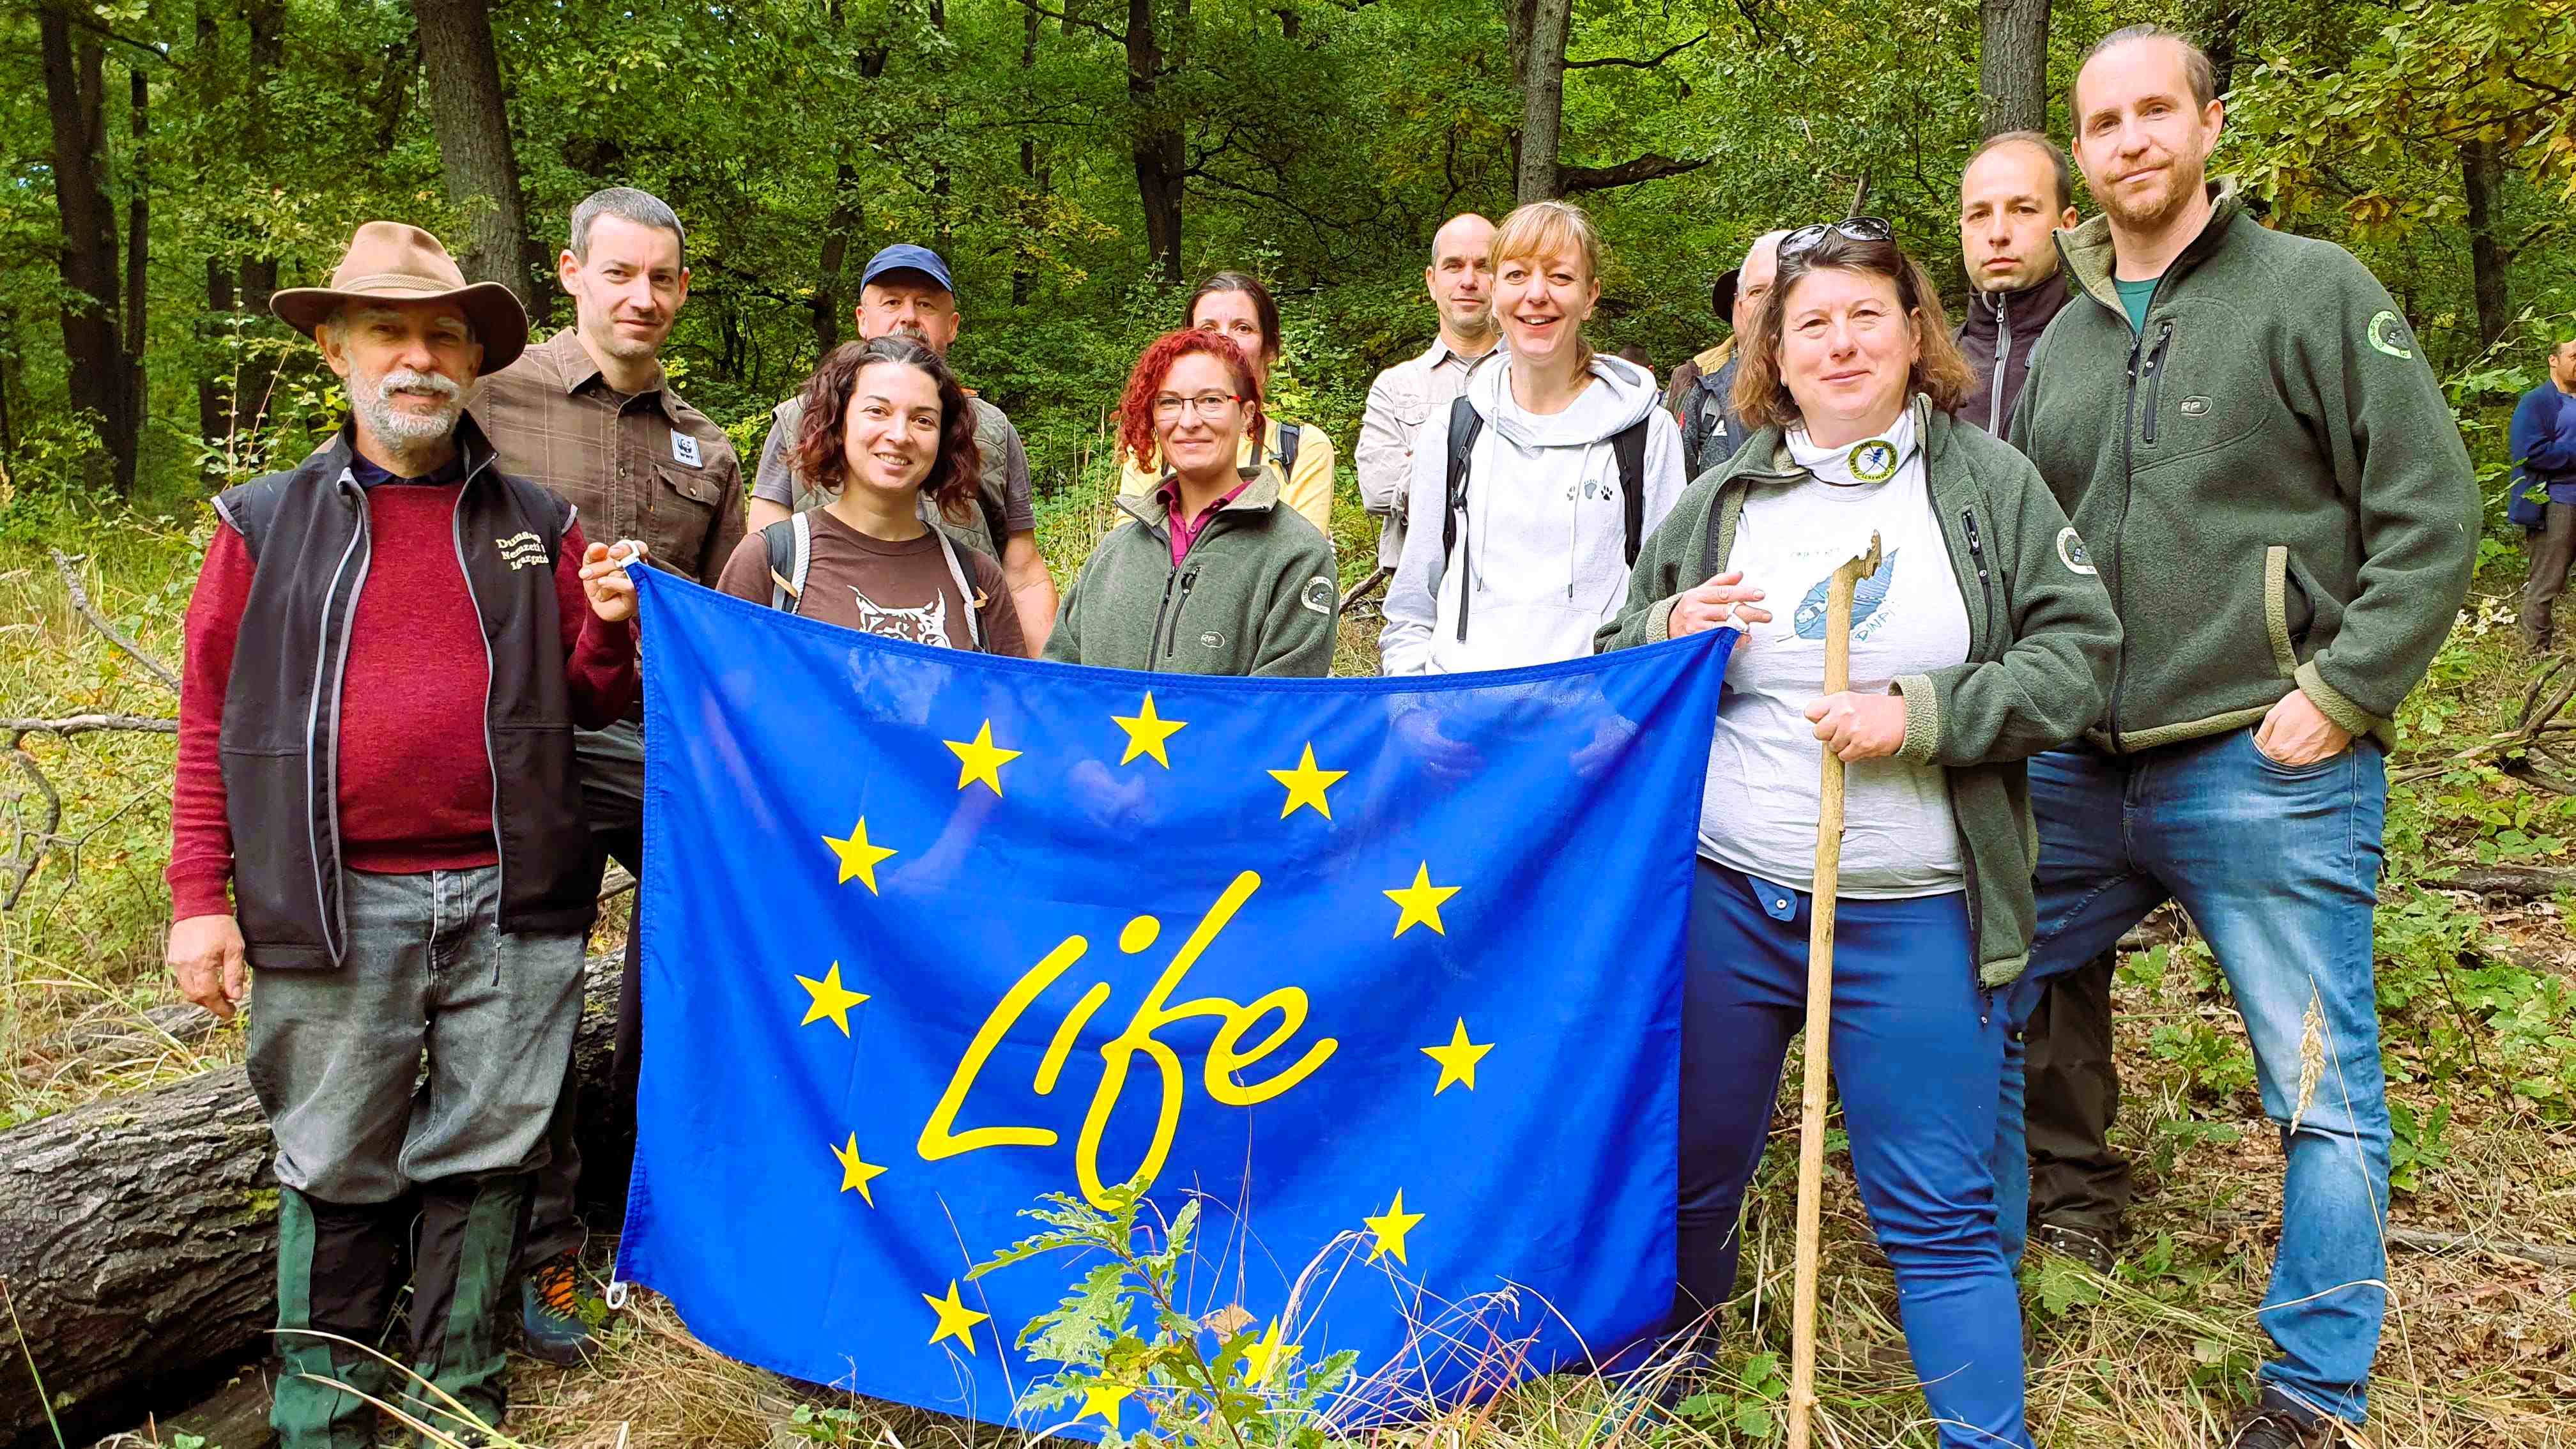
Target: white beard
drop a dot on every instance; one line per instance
(372, 399)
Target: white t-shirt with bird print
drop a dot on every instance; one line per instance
(1758, 807)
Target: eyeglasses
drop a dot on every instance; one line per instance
(1212, 405)
(1858, 228)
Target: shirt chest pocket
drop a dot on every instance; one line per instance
(691, 484)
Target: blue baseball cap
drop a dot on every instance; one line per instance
(905, 257)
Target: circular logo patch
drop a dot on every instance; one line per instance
(1318, 595)
(2388, 335)
(2070, 552)
(1873, 461)
(1211, 640)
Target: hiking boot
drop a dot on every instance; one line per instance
(2279, 1422)
(2085, 1246)
(550, 1312)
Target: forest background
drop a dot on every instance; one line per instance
(170, 163)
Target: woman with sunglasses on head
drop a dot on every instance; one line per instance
(1235, 306)
(1983, 638)
(1530, 499)
(1211, 573)
(885, 427)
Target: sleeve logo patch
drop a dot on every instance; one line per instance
(2388, 335)
(2071, 552)
(1318, 595)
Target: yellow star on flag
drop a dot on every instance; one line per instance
(1306, 785)
(1421, 902)
(1390, 1227)
(1146, 732)
(1457, 1062)
(1102, 1397)
(830, 999)
(859, 856)
(1264, 1356)
(858, 1172)
(956, 1320)
(981, 759)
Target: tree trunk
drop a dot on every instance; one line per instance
(1156, 146)
(838, 228)
(1024, 281)
(2012, 66)
(99, 372)
(138, 1235)
(138, 250)
(2478, 178)
(1540, 30)
(473, 126)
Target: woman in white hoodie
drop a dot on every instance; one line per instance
(1570, 464)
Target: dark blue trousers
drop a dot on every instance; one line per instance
(1917, 1054)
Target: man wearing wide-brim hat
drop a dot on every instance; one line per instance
(387, 652)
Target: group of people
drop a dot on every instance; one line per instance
(2170, 524)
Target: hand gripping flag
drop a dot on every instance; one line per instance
(1384, 975)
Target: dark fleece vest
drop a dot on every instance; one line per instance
(307, 535)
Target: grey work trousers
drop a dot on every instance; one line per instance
(2553, 550)
(612, 789)
(433, 1052)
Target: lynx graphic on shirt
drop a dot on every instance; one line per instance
(927, 624)
(1867, 595)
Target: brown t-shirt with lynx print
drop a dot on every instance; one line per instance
(896, 590)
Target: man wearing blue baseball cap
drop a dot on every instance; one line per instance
(906, 289)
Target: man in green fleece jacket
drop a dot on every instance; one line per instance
(2248, 437)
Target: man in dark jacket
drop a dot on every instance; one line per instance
(2543, 441)
(2265, 470)
(1698, 394)
(387, 651)
(2017, 191)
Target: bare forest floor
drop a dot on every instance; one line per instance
(2478, 997)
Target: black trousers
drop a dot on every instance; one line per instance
(2073, 1094)
(2553, 549)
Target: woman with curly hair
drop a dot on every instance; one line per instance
(1983, 638)
(886, 429)
(1210, 574)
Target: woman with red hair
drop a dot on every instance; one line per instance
(1209, 574)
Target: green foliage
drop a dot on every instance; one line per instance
(1210, 1380)
(1751, 1403)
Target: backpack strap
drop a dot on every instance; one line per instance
(1289, 436)
(965, 588)
(791, 554)
(1628, 445)
(1464, 424)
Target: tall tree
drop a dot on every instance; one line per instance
(2012, 65)
(101, 364)
(1157, 145)
(1539, 32)
(2479, 174)
(473, 124)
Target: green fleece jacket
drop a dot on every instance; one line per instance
(2041, 637)
(2270, 478)
(1255, 595)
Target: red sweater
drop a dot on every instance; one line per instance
(415, 785)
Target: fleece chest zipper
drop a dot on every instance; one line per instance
(2003, 362)
(1985, 583)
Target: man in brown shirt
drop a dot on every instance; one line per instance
(589, 414)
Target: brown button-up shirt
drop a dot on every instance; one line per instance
(647, 466)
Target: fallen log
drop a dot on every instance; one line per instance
(138, 1237)
(2527, 881)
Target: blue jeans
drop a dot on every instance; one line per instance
(2279, 868)
(1916, 1053)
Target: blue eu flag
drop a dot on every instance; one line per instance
(1384, 974)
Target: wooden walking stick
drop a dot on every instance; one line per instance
(1820, 1005)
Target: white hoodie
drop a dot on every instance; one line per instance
(1542, 541)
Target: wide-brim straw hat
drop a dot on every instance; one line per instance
(390, 262)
